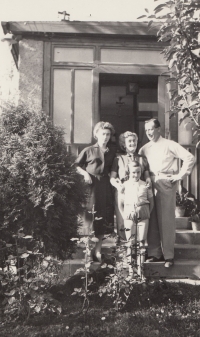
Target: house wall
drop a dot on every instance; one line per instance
(31, 72)
(9, 77)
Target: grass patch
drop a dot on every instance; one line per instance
(155, 308)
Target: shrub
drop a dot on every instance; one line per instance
(40, 190)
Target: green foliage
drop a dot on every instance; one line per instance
(180, 30)
(41, 196)
(185, 200)
(195, 213)
(40, 190)
(85, 270)
(117, 285)
(27, 278)
(181, 198)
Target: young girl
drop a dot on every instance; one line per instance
(128, 142)
(136, 206)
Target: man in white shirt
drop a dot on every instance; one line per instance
(162, 155)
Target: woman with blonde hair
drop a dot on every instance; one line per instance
(119, 173)
(94, 164)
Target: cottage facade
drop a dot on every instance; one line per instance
(84, 72)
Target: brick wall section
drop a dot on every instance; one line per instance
(31, 72)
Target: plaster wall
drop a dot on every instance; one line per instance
(9, 77)
(31, 72)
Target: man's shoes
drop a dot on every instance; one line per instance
(169, 263)
(155, 259)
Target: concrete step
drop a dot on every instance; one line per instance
(71, 266)
(187, 251)
(183, 223)
(187, 246)
(107, 250)
(181, 269)
(184, 236)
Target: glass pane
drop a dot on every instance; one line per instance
(83, 55)
(62, 100)
(131, 56)
(83, 107)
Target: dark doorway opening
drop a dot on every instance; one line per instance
(126, 101)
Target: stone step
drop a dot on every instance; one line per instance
(187, 245)
(181, 269)
(187, 237)
(107, 250)
(71, 266)
(187, 251)
(183, 223)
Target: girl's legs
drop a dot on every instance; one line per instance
(129, 226)
(97, 248)
(119, 217)
(142, 229)
(141, 237)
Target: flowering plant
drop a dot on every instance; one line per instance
(184, 200)
(195, 214)
(181, 199)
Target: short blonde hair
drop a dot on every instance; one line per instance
(103, 126)
(125, 135)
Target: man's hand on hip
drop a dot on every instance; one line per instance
(173, 178)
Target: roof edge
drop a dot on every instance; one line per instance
(128, 28)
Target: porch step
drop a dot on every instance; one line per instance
(183, 223)
(187, 237)
(187, 251)
(106, 249)
(187, 256)
(181, 269)
(71, 266)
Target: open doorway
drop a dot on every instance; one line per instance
(126, 101)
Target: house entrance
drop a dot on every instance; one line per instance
(126, 101)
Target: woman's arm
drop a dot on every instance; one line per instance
(150, 199)
(147, 179)
(115, 181)
(81, 162)
(121, 206)
(85, 175)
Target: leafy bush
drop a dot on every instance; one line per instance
(179, 28)
(40, 190)
(27, 279)
(41, 197)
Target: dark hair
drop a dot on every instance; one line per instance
(155, 120)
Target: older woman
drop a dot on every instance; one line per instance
(119, 172)
(94, 164)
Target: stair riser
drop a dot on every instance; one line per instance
(183, 223)
(71, 266)
(156, 270)
(80, 255)
(177, 271)
(188, 238)
(187, 253)
(179, 253)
